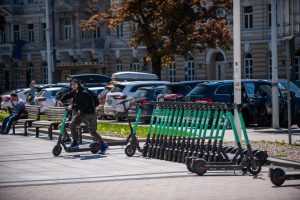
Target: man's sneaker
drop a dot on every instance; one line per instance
(74, 145)
(103, 149)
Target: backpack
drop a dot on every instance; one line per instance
(94, 96)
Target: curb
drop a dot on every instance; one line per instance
(284, 163)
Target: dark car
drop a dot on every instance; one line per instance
(295, 102)
(177, 91)
(256, 99)
(90, 80)
(141, 98)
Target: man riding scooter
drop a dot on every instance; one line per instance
(84, 108)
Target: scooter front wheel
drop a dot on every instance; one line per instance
(130, 150)
(199, 166)
(56, 150)
(253, 166)
(189, 163)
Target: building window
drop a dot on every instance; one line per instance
(16, 32)
(30, 32)
(172, 72)
(2, 37)
(270, 66)
(119, 66)
(83, 34)
(248, 17)
(30, 1)
(45, 73)
(31, 72)
(220, 12)
(269, 15)
(17, 76)
(97, 33)
(248, 63)
(67, 29)
(135, 66)
(190, 69)
(16, 2)
(119, 30)
(44, 32)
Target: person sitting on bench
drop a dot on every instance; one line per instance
(19, 113)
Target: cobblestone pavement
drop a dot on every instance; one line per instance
(29, 171)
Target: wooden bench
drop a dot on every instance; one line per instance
(33, 115)
(54, 116)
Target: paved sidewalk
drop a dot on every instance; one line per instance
(29, 171)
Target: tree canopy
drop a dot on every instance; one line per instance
(170, 27)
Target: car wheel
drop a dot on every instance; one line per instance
(246, 116)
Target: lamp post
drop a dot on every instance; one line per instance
(237, 60)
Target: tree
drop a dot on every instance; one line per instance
(170, 27)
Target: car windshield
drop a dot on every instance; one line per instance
(117, 88)
(41, 93)
(284, 84)
(199, 89)
(140, 94)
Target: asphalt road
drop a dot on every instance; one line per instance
(29, 171)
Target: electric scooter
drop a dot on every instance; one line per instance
(94, 147)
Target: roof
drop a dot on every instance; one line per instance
(122, 76)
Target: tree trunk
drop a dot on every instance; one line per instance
(156, 66)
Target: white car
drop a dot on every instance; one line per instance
(122, 91)
(5, 98)
(46, 97)
(97, 90)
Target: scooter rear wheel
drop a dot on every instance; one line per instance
(95, 147)
(277, 176)
(130, 150)
(56, 150)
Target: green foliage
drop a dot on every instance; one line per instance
(119, 130)
(169, 28)
(2, 115)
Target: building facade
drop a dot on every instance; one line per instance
(23, 44)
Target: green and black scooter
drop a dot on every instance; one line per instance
(94, 147)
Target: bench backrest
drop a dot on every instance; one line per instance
(33, 111)
(54, 113)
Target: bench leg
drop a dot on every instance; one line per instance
(50, 132)
(25, 129)
(14, 129)
(37, 132)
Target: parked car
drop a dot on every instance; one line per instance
(46, 97)
(256, 99)
(5, 99)
(177, 91)
(102, 98)
(133, 76)
(90, 80)
(141, 98)
(122, 91)
(295, 103)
